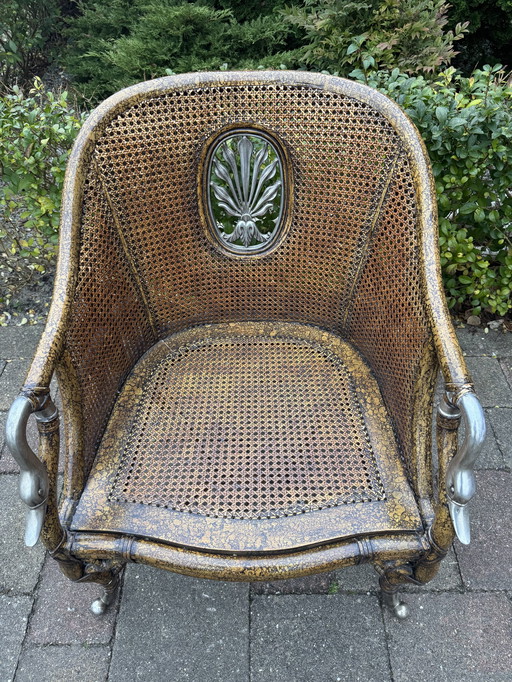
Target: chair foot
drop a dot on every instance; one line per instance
(392, 575)
(397, 607)
(100, 605)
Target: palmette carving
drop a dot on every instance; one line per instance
(246, 184)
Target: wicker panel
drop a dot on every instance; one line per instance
(342, 152)
(108, 330)
(250, 427)
(353, 226)
(387, 319)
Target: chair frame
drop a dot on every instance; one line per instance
(98, 557)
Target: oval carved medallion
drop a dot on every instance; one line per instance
(245, 193)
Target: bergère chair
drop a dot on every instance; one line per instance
(247, 325)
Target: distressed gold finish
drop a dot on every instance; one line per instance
(248, 416)
(249, 437)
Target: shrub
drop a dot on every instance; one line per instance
(112, 45)
(408, 34)
(26, 26)
(36, 134)
(489, 38)
(467, 126)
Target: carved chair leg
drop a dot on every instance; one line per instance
(392, 575)
(392, 601)
(105, 572)
(100, 605)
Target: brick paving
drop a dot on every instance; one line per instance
(327, 628)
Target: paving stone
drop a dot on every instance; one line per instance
(299, 638)
(7, 463)
(19, 565)
(477, 342)
(172, 627)
(501, 424)
(62, 612)
(506, 366)
(58, 663)
(490, 383)
(356, 579)
(491, 456)
(487, 562)
(14, 613)
(451, 637)
(320, 583)
(11, 381)
(3, 417)
(18, 358)
(19, 342)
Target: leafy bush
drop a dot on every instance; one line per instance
(408, 34)
(467, 126)
(36, 134)
(25, 29)
(465, 122)
(115, 44)
(489, 38)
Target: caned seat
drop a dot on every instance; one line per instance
(232, 433)
(247, 326)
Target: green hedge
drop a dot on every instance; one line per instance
(36, 134)
(115, 44)
(26, 29)
(489, 37)
(407, 34)
(467, 127)
(465, 122)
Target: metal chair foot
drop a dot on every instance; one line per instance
(100, 605)
(397, 607)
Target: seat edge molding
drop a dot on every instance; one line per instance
(247, 568)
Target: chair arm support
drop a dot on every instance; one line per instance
(34, 483)
(460, 479)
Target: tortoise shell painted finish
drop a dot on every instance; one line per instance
(251, 464)
(354, 267)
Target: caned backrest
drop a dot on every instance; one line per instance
(151, 256)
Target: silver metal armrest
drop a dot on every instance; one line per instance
(460, 479)
(33, 477)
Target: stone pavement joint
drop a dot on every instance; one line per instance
(334, 637)
(451, 637)
(14, 614)
(76, 663)
(62, 612)
(486, 564)
(199, 628)
(19, 565)
(500, 421)
(327, 627)
(491, 385)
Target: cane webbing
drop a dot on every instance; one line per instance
(349, 261)
(254, 427)
(248, 437)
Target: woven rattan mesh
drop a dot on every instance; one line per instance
(339, 267)
(256, 427)
(342, 151)
(387, 320)
(108, 329)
